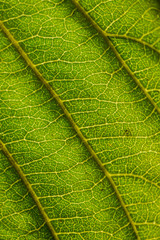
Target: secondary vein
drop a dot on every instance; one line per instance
(70, 119)
(121, 60)
(29, 188)
(133, 39)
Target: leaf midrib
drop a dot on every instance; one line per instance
(29, 188)
(105, 35)
(77, 130)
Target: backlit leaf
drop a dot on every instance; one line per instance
(79, 119)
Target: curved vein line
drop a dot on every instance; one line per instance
(134, 39)
(135, 176)
(73, 124)
(121, 60)
(29, 188)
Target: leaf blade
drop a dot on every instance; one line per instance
(125, 134)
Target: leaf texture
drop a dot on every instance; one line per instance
(79, 119)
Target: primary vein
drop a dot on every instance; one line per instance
(29, 188)
(73, 124)
(121, 60)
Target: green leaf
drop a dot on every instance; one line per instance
(79, 120)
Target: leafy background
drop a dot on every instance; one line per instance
(86, 179)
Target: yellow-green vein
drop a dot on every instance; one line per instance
(121, 60)
(73, 124)
(134, 39)
(29, 188)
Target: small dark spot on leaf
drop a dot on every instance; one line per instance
(127, 132)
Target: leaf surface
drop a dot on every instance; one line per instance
(80, 132)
